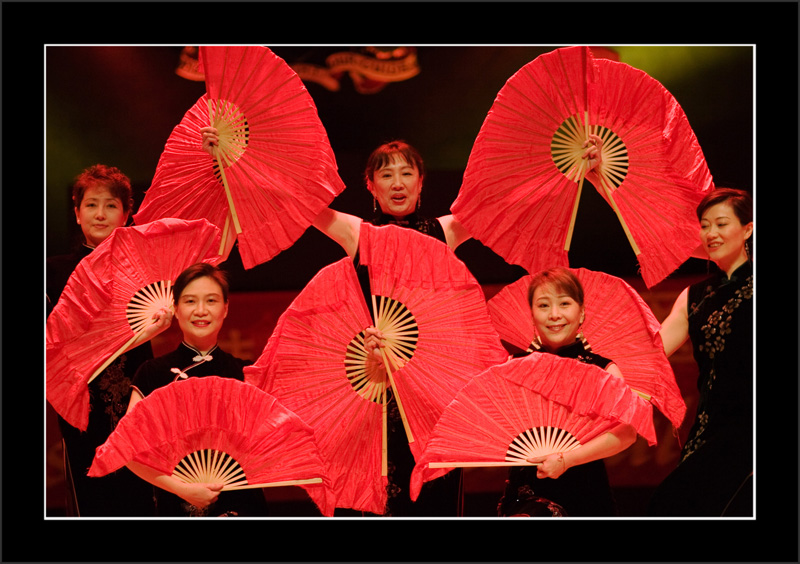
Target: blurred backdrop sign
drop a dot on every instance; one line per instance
(370, 68)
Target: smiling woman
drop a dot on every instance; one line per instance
(201, 305)
(200, 311)
(102, 201)
(575, 480)
(715, 473)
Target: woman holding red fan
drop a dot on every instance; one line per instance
(715, 472)
(573, 483)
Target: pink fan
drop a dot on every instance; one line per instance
(274, 170)
(217, 430)
(525, 173)
(110, 299)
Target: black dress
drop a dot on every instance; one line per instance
(714, 475)
(581, 491)
(441, 497)
(122, 493)
(187, 362)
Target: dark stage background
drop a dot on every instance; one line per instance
(118, 104)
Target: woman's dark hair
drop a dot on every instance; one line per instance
(107, 176)
(199, 270)
(384, 155)
(562, 278)
(740, 201)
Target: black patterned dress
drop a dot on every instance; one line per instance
(122, 493)
(581, 491)
(713, 476)
(441, 497)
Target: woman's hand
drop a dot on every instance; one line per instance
(162, 319)
(594, 151)
(550, 466)
(200, 495)
(210, 139)
(373, 343)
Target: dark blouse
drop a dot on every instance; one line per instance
(167, 368)
(721, 331)
(58, 270)
(429, 226)
(581, 491)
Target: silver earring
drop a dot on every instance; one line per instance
(374, 204)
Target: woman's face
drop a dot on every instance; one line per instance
(99, 213)
(556, 315)
(200, 312)
(723, 235)
(396, 186)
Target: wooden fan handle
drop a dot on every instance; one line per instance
(216, 152)
(384, 438)
(480, 464)
(619, 216)
(391, 379)
(246, 486)
(114, 356)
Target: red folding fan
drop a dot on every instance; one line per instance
(527, 407)
(433, 314)
(618, 325)
(217, 430)
(274, 169)
(110, 299)
(525, 173)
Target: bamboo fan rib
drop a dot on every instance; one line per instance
(233, 128)
(363, 371)
(540, 441)
(146, 302)
(209, 466)
(400, 329)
